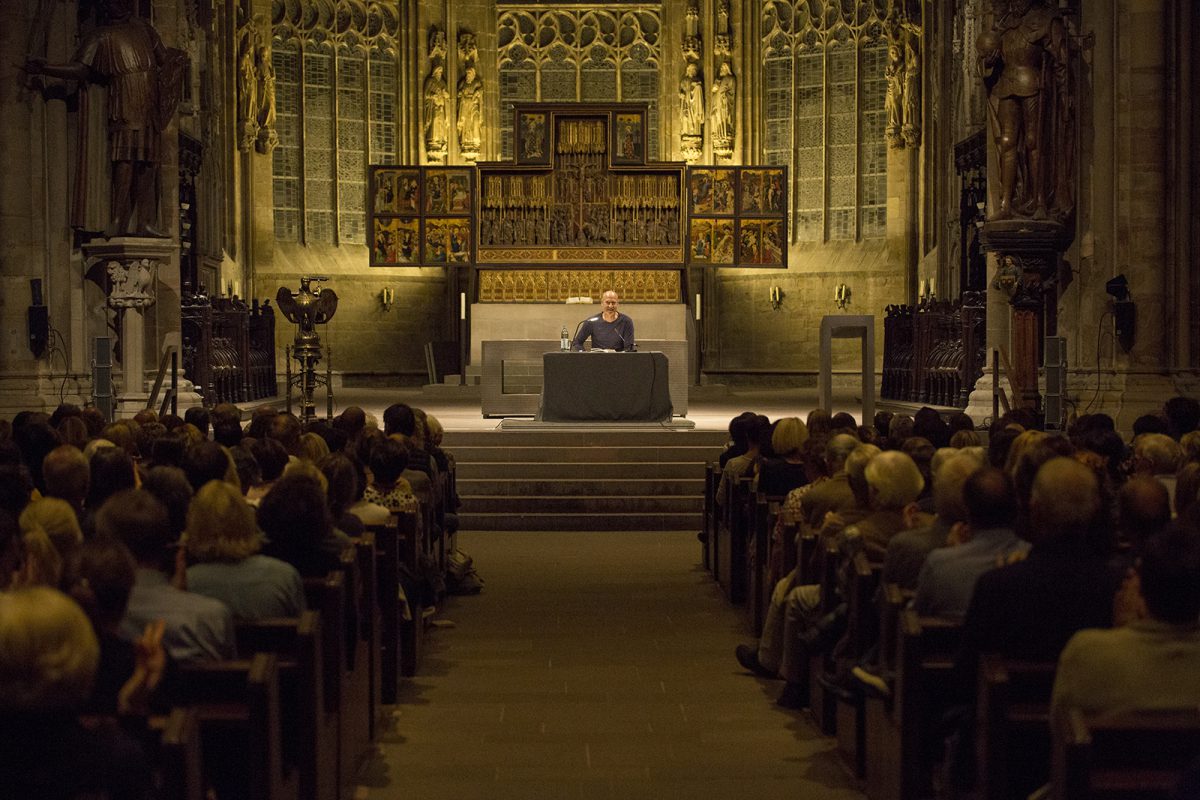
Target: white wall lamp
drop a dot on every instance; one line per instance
(387, 296)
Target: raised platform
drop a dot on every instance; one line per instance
(518, 424)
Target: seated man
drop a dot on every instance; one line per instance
(1028, 610)
(609, 330)
(948, 578)
(197, 628)
(907, 551)
(1152, 663)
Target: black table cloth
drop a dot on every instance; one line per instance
(606, 387)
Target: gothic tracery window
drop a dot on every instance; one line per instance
(823, 115)
(578, 53)
(336, 96)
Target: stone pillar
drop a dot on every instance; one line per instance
(132, 265)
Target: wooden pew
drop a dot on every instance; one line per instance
(1013, 726)
(328, 596)
(356, 707)
(807, 542)
(708, 550)
(237, 704)
(902, 730)
(821, 704)
(1139, 754)
(179, 757)
(736, 521)
(368, 565)
(311, 735)
(387, 578)
(862, 633)
(412, 631)
(765, 510)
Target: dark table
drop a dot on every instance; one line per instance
(606, 387)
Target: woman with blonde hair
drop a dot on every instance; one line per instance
(48, 659)
(50, 531)
(784, 472)
(223, 541)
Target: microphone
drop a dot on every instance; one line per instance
(622, 340)
(577, 327)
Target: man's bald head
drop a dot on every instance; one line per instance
(1145, 508)
(1064, 501)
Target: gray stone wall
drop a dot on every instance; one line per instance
(369, 344)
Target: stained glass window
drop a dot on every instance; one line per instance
(579, 53)
(336, 89)
(823, 115)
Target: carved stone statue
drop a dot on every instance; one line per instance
(247, 78)
(911, 125)
(724, 110)
(145, 79)
(268, 138)
(436, 98)
(470, 114)
(1025, 66)
(691, 103)
(894, 101)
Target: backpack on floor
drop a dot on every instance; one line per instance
(461, 577)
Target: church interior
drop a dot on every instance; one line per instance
(338, 255)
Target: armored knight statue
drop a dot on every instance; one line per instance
(144, 80)
(1026, 72)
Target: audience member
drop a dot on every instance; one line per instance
(208, 461)
(249, 475)
(67, 476)
(196, 628)
(388, 486)
(73, 431)
(907, 550)
(99, 576)
(784, 472)
(272, 458)
(312, 447)
(199, 417)
(1151, 663)
(295, 517)
(170, 485)
(57, 520)
(342, 492)
(1028, 610)
(987, 540)
(48, 660)
(738, 431)
(1143, 509)
(223, 548)
(1187, 487)
(757, 432)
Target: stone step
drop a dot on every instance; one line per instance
(602, 470)
(580, 522)
(535, 489)
(583, 504)
(583, 454)
(581, 436)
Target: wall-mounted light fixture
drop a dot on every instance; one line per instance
(1123, 310)
(387, 296)
(776, 297)
(841, 295)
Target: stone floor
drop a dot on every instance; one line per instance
(595, 665)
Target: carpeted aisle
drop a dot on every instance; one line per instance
(595, 665)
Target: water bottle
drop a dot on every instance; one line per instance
(565, 342)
